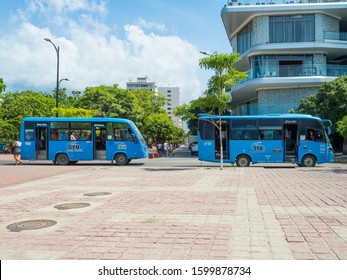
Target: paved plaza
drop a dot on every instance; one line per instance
(141, 212)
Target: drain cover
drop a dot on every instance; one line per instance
(30, 225)
(67, 206)
(97, 193)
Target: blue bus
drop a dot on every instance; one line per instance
(68, 140)
(295, 138)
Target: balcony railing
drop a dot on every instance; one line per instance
(297, 71)
(274, 2)
(340, 36)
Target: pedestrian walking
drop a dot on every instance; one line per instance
(16, 151)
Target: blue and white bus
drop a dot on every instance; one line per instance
(68, 140)
(296, 138)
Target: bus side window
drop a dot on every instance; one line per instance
(54, 135)
(315, 135)
(319, 136)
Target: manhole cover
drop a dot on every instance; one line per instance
(97, 193)
(30, 225)
(67, 206)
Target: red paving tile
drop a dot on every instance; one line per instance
(199, 213)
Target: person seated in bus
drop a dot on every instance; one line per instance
(73, 136)
(117, 135)
(54, 135)
(261, 135)
(310, 135)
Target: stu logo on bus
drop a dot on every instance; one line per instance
(73, 147)
(257, 147)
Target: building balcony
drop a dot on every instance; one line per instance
(336, 36)
(284, 77)
(297, 71)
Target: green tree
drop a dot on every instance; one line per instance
(342, 129)
(189, 112)
(329, 103)
(342, 126)
(143, 107)
(2, 85)
(217, 95)
(158, 128)
(16, 105)
(75, 112)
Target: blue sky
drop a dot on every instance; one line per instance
(109, 42)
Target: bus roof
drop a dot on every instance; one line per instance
(66, 119)
(268, 116)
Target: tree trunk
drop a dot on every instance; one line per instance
(344, 147)
(220, 142)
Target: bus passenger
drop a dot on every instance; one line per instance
(72, 136)
(310, 135)
(54, 134)
(261, 135)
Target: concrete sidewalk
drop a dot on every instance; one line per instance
(139, 212)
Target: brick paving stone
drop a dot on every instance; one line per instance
(195, 213)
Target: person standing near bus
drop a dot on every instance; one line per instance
(16, 151)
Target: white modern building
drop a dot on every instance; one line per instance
(172, 94)
(288, 49)
(143, 83)
(173, 97)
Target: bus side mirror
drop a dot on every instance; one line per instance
(328, 130)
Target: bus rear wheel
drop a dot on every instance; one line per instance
(308, 161)
(62, 159)
(243, 161)
(121, 159)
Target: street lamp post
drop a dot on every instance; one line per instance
(205, 53)
(58, 81)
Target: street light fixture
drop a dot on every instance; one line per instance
(65, 79)
(205, 53)
(58, 81)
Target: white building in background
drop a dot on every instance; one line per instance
(173, 97)
(143, 83)
(172, 94)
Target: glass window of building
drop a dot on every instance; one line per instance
(244, 39)
(293, 28)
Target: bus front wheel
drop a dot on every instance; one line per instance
(308, 161)
(62, 159)
(121, 159)
(243, 161)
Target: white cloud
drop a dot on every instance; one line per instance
(61, 6)
(90, 56)
(150, 25)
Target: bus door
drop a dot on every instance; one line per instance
(41, 143)
(99, 139)
(225, 141)
(290, 134)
